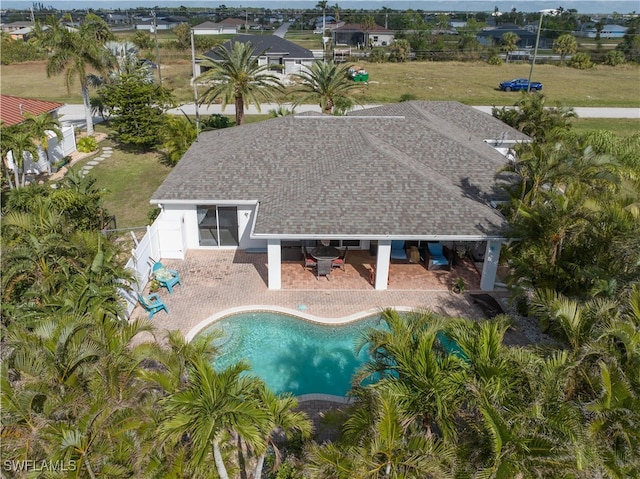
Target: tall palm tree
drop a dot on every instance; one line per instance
(322, 5)
(75, 52)
(283, 417)
(237, 78)
(213, 406)
(326, 83)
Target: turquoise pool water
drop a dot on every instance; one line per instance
(291, 354)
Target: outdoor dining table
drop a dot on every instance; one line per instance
(325, 255)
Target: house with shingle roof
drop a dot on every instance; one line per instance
(356, 35)
(284, 57)
(14, 110)
(214, 28)
(414, 171)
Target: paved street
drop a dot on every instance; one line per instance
(74, 113)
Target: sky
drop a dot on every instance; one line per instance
(582, 6)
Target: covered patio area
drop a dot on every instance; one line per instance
(216, 282)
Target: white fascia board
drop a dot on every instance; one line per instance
(379, 237)
(204, 202)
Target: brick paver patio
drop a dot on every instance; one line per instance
(218, 280)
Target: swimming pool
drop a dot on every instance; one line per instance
(292, 354)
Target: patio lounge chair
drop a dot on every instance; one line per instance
(152, 303)
(309, 261)
(341, 261)
(397, 250)
(165, 276)
(436, 257)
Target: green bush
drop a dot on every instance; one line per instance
(408, 97)
(495, 60)
(378, 55)
(614, 57)
(217, 121)
(581, 61)
(16, 51)
(87, 144)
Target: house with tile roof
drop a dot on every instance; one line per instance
(13, 111)
(284, 57)
(413, 171)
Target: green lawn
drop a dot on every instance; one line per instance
(128, 178)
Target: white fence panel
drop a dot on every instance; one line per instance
(146, 252)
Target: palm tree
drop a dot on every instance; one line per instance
(564, 45)
(19, 142)
(325, 83)
(178, 135)
(426, 380)
(282, 417)
(237, 78)
(322, 5)
(74, 52)
(213, 406)
(40, 126)
(509, 41)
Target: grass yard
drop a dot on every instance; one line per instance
(470, 83)
(476, 83)
(620, 126)
(129, 179)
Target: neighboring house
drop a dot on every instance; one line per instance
(415, 171)
(12, 112)
(159, 23)
(21, 33)
(13, 26)
(211, 28)
(493, 37)
(608, 31)
(284, 56)
(355, 35)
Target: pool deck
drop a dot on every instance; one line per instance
(215, 283)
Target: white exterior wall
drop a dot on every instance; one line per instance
(188, 215)
(291, 67)
(224, 30)
(386, 38)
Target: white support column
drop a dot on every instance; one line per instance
(274, 260)
(382, 264)
(490, 265)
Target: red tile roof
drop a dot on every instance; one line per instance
(13, 108)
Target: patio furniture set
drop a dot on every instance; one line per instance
(323, 259)
(168, 278)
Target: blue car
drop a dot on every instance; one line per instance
(518, 84)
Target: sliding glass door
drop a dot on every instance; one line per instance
(218, 225)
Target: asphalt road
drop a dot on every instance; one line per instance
(74, 113)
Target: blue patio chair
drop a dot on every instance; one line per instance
(397, 250)
(437, 259)
(152, 303)
(165, 276)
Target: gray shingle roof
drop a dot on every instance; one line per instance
(272, 44)
(403, 170)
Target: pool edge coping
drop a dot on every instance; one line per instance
(193, 332)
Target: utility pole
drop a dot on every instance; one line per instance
(155, 32)
(195, 86)
(535, 52)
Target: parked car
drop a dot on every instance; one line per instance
(518, 84)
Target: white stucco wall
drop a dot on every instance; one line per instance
(246, 214)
